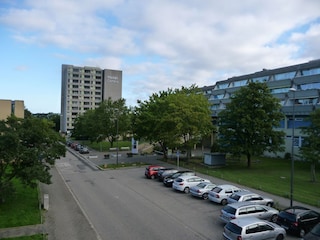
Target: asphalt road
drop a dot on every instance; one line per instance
(123, 204)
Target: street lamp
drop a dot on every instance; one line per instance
(293, 90)
(117, 138)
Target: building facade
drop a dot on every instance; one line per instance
(84, 88)
(10, 107)
(297, 87)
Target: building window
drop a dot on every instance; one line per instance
(240, 83)
(280, 90)
(282, 76)
(260, 79)
(310, 72)
(86, 76)
(310, 86)
(75, 75)
(222, 86)
(75, 81)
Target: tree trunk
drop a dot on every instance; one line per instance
(248, 160)
(313, 172)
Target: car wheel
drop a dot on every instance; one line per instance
(302, 233)
(186, 190)
(269, 204)
(280, 237)
(224, 202)
(152, 176)
(205, 196)
(274, 218)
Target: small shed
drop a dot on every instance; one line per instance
(215, 159)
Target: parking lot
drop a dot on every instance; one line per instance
(127, 205)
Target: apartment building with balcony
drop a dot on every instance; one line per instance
(84, 88)
(11, 107)
(297, 87)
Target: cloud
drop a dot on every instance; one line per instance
(167, 44)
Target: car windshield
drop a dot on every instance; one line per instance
(229, 209)
(316, 230)
(288, 216)
(217, 189)
(234, 228)
(235, 197)
(202, 185)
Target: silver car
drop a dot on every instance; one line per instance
(247, 196)
(252, 228)
(201, 190)
(247, 209)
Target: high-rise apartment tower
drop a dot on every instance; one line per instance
(84, 88)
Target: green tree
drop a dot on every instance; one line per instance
(310, 150)
(108, 121)
(247, 125)
(27, 149)
(174, 118)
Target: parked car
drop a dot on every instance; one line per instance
(252, 228)
(184, 183)
(151, 171)
(314, 234)
(169, 179)
(84, 150)
(246, 196)
(165, 172)
(298, 220)
(201, 190)
(221, 193)
(247, 209)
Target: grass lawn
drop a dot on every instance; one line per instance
(267, 174)
(33, 237)
(22, 208)
(105, 146)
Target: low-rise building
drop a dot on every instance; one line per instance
(297, 87)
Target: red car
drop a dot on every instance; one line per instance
(152, 171)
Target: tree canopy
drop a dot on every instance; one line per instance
(108, 121)
(27, 149)
(176, 118)
(310, 150)
(247, 125)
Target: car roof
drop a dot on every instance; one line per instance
(240, 204)
(245, 192)
(296, 209)
(226, 186)
(243, 222)
(188, 176)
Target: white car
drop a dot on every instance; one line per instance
(201, 189)
(252, 228)
(246, 196)
(184, 183)
(221, 193)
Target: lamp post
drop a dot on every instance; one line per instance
(293, 90)
(117, 126)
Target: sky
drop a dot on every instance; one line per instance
(157, 44)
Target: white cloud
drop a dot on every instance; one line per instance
(162, 44)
